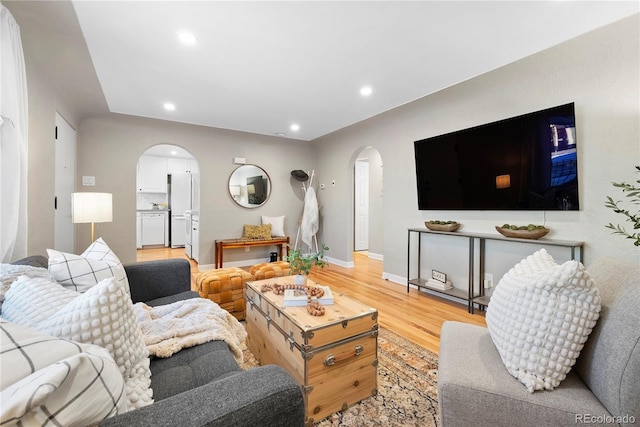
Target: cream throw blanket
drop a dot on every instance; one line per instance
(169, 328)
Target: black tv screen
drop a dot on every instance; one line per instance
(527, 162)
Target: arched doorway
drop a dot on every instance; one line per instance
(368, 224)
(167, 199)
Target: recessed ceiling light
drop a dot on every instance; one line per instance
(366, 91)
(186, 38)
(174, 152)
(169, 106)
(295, 127)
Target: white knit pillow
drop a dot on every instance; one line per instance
(81, 272)
(539, 317)
(102, 316)
(9, 273)
(32, 300)
(49, 380)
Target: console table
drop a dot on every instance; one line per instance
(469, 295)
(221, 245)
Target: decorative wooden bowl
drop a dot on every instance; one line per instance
(523, 234)
(442, 227)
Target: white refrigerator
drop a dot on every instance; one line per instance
(179, 203)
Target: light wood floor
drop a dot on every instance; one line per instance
(416, 315)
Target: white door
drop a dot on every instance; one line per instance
(361, 226)
(65, 172)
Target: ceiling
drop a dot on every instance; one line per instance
(263, 66)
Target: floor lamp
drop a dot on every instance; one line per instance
(91, 207)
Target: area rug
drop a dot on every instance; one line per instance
(407, 388)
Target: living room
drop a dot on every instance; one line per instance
(598, 71)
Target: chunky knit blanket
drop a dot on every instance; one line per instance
(167, 329)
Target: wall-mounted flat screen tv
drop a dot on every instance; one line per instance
(527, 162)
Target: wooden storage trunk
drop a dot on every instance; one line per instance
(333, 357)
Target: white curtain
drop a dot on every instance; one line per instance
(13, 141)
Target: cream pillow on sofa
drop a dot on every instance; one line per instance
(9, 273)
(32, 300)
(539, 317)
(49, 380)
(103, 316)
(81, 272)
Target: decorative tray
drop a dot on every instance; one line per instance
(523, 234)
(442, 225)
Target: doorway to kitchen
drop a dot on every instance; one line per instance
(168, 200)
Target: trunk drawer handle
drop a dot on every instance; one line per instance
(330, 360)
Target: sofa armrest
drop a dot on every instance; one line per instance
(150, 280)
(265, 396)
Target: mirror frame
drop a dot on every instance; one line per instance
(241, 196)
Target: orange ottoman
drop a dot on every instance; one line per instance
(268, 270)
(225, 287)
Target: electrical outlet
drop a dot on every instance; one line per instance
(246, 249)
(488, 280)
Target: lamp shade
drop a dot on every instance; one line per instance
(91, 207)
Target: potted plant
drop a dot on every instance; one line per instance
(301, 263)
(633, 193)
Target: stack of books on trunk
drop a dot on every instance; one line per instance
(432, 283)
(298, 298)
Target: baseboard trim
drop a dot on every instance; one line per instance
(378, 257)
(394, 278)
(339, 262)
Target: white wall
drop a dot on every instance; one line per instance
(598, 71)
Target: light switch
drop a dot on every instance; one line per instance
(89, 181)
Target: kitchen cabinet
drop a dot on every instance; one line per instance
(181, 165)
(152, 174)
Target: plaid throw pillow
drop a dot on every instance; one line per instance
(103, 316)
(48, 380)
(82, 272)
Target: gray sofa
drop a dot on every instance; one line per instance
(202, 385)
(603, 388)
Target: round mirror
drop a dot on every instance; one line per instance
(249, 186)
